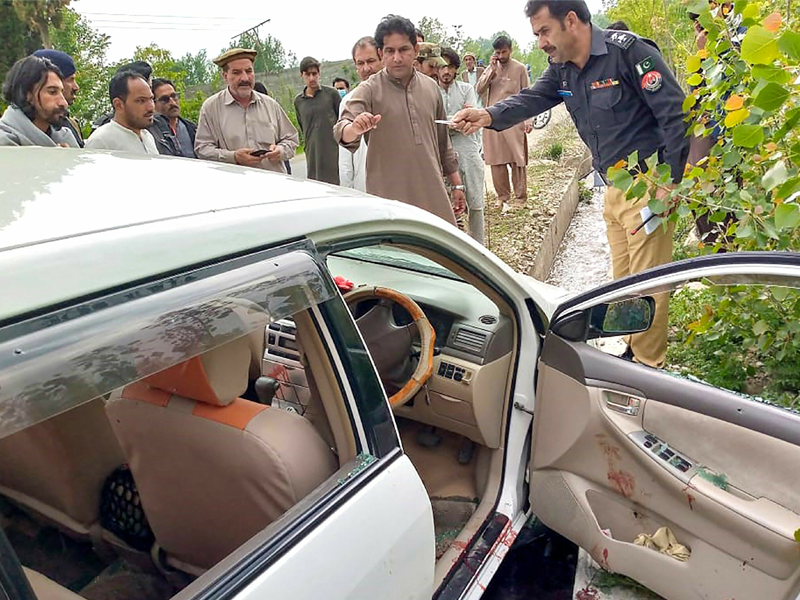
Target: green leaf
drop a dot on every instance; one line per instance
(695, 79)
(731, 158)
(771, 97)
(770, 73)
(732, 119)
(621, 179)
(748, 136)
(789, 44)
(788, 188)
(775, 176)
(760, 328)
(633, 160)
(699, 129)
(656, 205)
(759, 46)
(787, 216)
(693, 64)
(697, 7)
(750, 11)
(744, 232)
(688, 102)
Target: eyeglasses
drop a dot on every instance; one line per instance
(173, 96)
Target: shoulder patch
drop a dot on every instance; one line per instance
(621, 39)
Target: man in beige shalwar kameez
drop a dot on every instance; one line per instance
(503, 149)
(407, 152)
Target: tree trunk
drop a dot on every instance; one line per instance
(44, 33)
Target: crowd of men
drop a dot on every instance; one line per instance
(413, 129)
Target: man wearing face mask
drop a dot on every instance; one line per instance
(34, 92)
(239, 125)
(317, 109)
(342, 86)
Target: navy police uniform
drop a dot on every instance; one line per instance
(624, 99)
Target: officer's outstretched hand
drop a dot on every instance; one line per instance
(471, 120)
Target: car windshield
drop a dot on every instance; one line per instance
(397, 257)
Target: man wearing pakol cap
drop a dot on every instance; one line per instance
(37, 107)
(429, 60)
(396, 109)
(472, 73)
(239, 125)
(64, 62)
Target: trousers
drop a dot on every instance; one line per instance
(632, 254)
(519, 178)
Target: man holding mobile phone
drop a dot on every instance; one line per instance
(239, 125)
(506, 149)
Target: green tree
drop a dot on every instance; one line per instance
(197, 68)
(436, 32)
(666, 22)
(88, 48)
(41, 15)
(18, 39)
(272, 55)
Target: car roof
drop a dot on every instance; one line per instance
(73, 222)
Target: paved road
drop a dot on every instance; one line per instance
(299, 166)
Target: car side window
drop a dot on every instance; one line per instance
(172, 422)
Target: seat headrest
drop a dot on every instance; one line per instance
(216, 377)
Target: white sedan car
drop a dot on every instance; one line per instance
(219, 383)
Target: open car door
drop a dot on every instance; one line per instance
(620, 449)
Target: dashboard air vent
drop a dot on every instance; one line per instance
(488, 320)
(469, 341)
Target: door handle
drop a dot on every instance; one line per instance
(627, 405)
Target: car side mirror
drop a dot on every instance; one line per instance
(611, 319)
(622, 318)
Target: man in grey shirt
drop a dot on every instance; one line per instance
(37, 106)
(239, 125)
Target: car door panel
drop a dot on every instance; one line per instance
(590, 472)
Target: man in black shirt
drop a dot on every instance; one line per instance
(622, 98)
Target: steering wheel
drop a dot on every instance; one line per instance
(390, 344)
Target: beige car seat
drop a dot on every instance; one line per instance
(211, 468)
(55, 469)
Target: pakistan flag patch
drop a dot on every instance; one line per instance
(645, 66)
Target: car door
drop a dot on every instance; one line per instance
(620, 449)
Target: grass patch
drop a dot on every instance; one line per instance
(554, 151)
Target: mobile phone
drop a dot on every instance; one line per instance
(259, 152)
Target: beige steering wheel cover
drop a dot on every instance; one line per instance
(427, 336)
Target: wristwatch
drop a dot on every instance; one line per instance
(459, 187)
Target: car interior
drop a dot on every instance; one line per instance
(452, 428)
(115, 498)
(135, 493)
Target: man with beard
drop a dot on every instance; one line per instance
(133, 105)
(176, 133)
(35, 94)
(239, 125)
(623, 99)
(458, 95)
(353, 165)
(396, 108)
(67, 67)
(507, 149)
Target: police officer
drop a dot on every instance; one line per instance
(622, 97)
